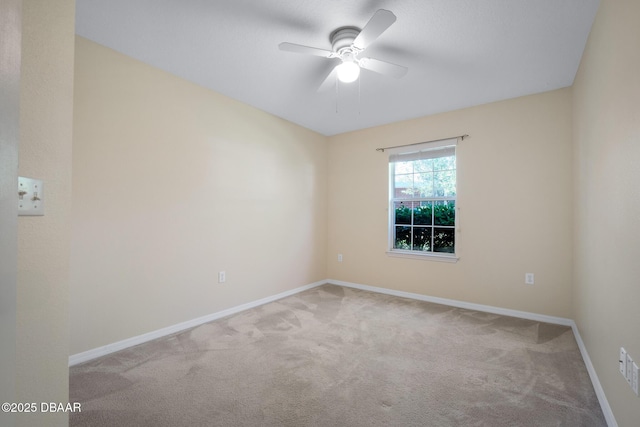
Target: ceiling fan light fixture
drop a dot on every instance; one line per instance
(348, 72)
(347, 43)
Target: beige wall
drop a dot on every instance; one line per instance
(174, 183)
(46, 114)
(607, 199)
(514, 195)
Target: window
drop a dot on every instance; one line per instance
(423, 199)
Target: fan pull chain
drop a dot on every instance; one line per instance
(336, 96)
(359, 80)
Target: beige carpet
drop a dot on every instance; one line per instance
(334, 356)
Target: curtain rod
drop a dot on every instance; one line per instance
(424, 142)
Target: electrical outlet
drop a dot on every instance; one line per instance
(222, 277)
(629, 374)
(339, 257)
(623, 362)
(529, 279)
(634, 379)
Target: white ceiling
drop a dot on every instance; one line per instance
(459, 53)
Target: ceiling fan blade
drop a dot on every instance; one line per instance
(383, 67)
(377, 25)
(329, 81)
(298, 48)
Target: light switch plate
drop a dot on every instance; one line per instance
(623, 362)
(30, 196)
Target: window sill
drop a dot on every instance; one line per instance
(424, 256)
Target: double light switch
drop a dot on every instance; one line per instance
(30, 196)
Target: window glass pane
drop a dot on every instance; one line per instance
(423, 183)
(444, 184)
(402, 238)
(444, 212)
(422, 213)
(443, 240)
(422, 239)
(403, 167)
(425, 165)
(444, 163)
(403, 212)
(406, 192)
(402, 183)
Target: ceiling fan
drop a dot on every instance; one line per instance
(347, 43)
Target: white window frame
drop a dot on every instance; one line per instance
(408, 152)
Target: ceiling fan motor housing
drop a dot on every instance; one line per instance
(343, 38)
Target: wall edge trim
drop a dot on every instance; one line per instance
(88, 355)
(602, 399)
(459, 304)
(595, 381)
(85, 356)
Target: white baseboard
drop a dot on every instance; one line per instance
(604, 403)
(78, 358)
(85, 356)
(602, 399)
(459, 304)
